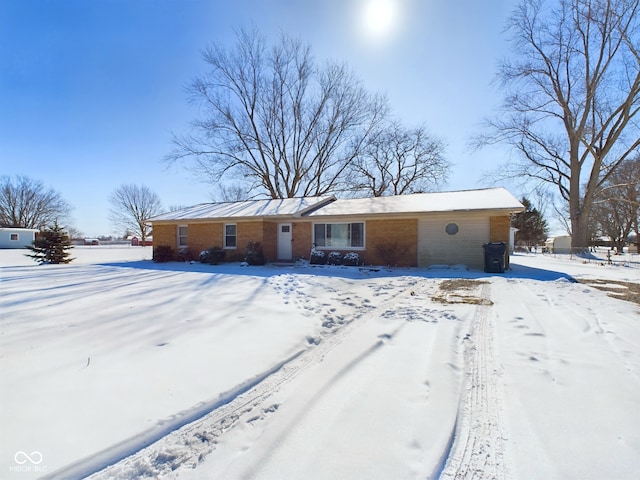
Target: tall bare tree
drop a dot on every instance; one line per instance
(28, 203)
(132, 206)
(399, 160)
(573, 97)
(273, 117)
(617, 203)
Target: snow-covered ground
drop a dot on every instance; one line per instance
(116, 367)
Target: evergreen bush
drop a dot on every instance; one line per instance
(317, 257)
(334, 258)
(351, 259)
(51, 246)
(213, 255)
(163, 254)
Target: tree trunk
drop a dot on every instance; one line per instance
(578, 213)
(579, 233)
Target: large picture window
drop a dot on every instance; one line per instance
(182, 236)
(338, 235)
(230, 235)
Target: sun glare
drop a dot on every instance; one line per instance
(380, 17)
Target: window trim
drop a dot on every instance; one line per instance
(224, 236)
(334, 247)
(180, 237)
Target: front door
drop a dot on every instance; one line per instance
(284, 241)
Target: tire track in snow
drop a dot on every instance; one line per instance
(187, 443)
(478, 444)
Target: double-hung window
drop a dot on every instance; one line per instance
(339, 235)
(182, 236)
(230, 235)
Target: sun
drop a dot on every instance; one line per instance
(379, 18)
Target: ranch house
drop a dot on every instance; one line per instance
(443, 228)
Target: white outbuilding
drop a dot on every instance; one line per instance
(11, 237)
(561, 244)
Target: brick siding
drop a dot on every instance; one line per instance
(384, 233)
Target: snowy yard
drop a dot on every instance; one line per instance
(116, 367)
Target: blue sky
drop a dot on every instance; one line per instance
(91, 90)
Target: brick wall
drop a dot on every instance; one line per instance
(201, 236)
(388, 232)
(247, 232)
(302, 239)
(165, 235)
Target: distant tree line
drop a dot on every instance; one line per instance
(617, 206)
(28, 203)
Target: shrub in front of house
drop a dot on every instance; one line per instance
(255, 255)
(334, 258)
(352, 259)
(212, 256)
(184, 255)
(318, 257)
(163, 254)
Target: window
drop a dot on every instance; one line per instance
(451, 228)
(182, 236)
(338, 235)
(14, 237)
(230, 235)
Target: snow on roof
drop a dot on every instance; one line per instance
(465, 200)
(20, 229)
(249, 208)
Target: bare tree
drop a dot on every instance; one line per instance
(573, 97)
(617, 204)
(273, 117)
(74, 233)
(132, 206)
(235, 192)
(27, 203)
(398, 160)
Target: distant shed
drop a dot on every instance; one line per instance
(561, 244)
(11, 237)
(137, 242)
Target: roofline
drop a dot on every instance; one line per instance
(312, 208)
(21, 228)
(319, 218)
(414, 214)
(310, 211)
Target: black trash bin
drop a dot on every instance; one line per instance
(494, 257)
